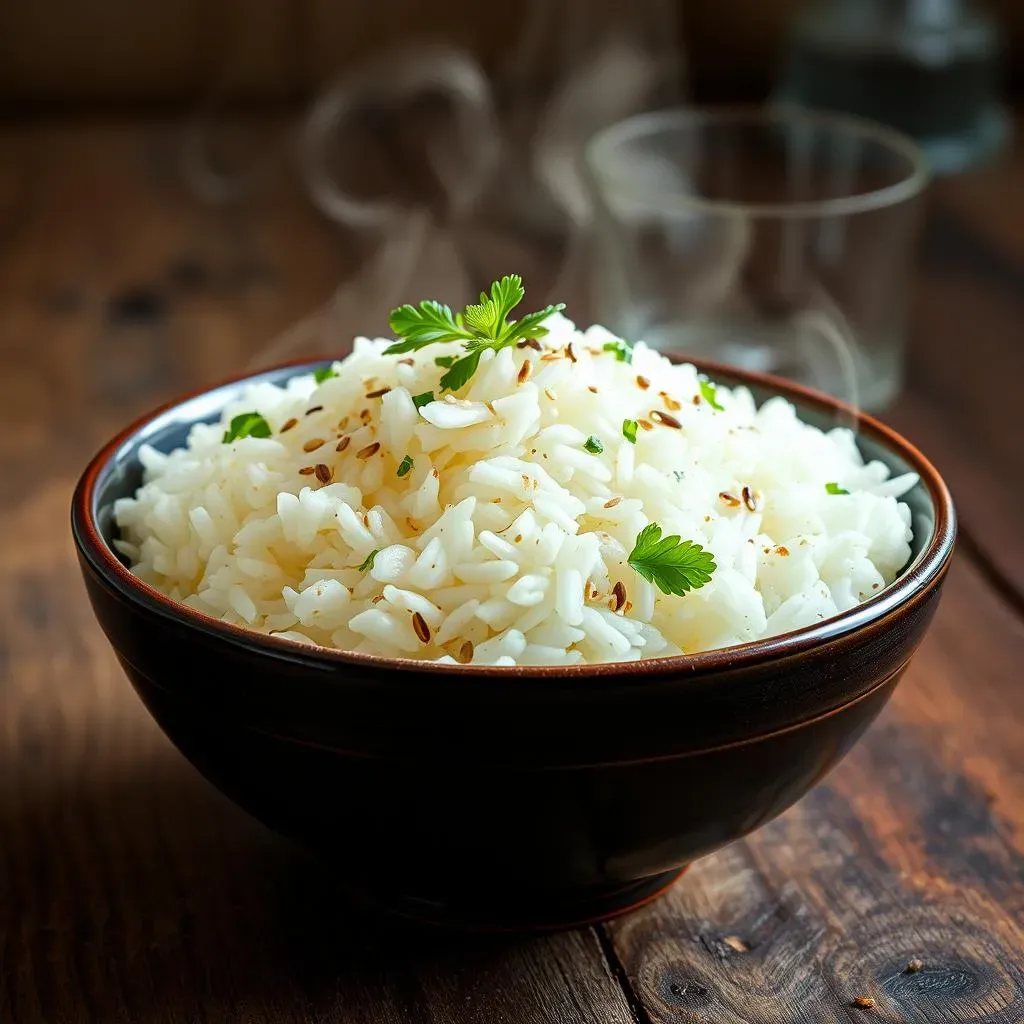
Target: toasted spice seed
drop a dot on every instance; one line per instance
(307, 471)
(619, 590)
(647, 425)
(665, 419)
(697, 400)
(312, 444)
(863, 1002)
(569, 352)
(434, 473)
(465, 655)
(629, 607)
(670, 403)
(370, 449)
(748, 498)
(527, 480)
(642, 382)
(728, 499)
(736, 943)
(380, 392)
(783, 550)
(592, 389)
(316, 408)
(364, 415)
(530, 343)
(377, 598)
(589, 590)
(343, 423)
(343, 443)
(524, 372)
(288, 425)
(366, 520)
(406, 362)
(518, 538)
(489, 406)
(323, 472)
(419, 624)
(551, 357)
(914, 966)
(551, 395)
(612, 502)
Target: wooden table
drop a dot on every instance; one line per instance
(131, 891)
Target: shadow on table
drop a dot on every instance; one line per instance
(142, 889)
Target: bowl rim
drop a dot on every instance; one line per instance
(912, 585)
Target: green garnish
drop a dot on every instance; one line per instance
(246, 424)
(421, 400)
(480, 326)
(594, 445)
(324, 373)
(675, 566)
(405, 465)
(708, 392)
(622, 349)
(368, 563)
(833, 488)
(629, 430)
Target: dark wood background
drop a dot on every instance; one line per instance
(84, 54)
(131, 891)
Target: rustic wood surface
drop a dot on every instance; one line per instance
(131, 891)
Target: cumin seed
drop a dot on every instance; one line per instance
(370, 449)
(749, 499)
(316, 408)
(612, 502)
(343, 443)
(288, 425)
(379, 393)
(323, 472)
(465, 655)
(570, 353)
(312, 444)
(619, 590)
(643, 383)
(307, 471)
(728, 499)
(665, 419)
(524, 372)
(419, 624)
(646, 424)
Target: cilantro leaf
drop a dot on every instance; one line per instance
(481, 325)
(246, 424)
(368, 562)
(675, 566)
(421, 400)
(833, 488)
(709, 393)
(405, 466)
(594, 445)
(629, 430)
(323, 373)
(461, 371)
(622, 349)
(422, 325)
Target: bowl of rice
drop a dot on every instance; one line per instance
(510, 620)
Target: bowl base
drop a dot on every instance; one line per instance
(518, 912)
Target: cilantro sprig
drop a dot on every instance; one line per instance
(629, 430)
(322, 373)
(833, 488)
(594, 445)
(480, 326)
(622, 349)
(369, 560)
(675, 566)
(246, 424)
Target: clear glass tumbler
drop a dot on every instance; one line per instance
(773, 239)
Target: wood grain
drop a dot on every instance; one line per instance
(912, 848)
(131, 891)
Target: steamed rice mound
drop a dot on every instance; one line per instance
(506, 542)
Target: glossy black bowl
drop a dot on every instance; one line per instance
(508, 798)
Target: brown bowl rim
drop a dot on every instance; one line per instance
(912, 585)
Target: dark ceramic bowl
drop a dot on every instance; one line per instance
(508, 798)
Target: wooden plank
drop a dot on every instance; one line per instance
(912, 848)
(960, 407)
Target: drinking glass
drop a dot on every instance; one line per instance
(779, 240)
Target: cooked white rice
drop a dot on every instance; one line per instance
(504, 543)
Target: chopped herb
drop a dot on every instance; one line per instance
(480, 326)
(833, 488)
(594, 445)
(324, 373)
(421, 400)
(405, 465)
(709, 393)
(368, 563)
(675, 566)
(246, 424)
(622, 349)
(629, 430)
